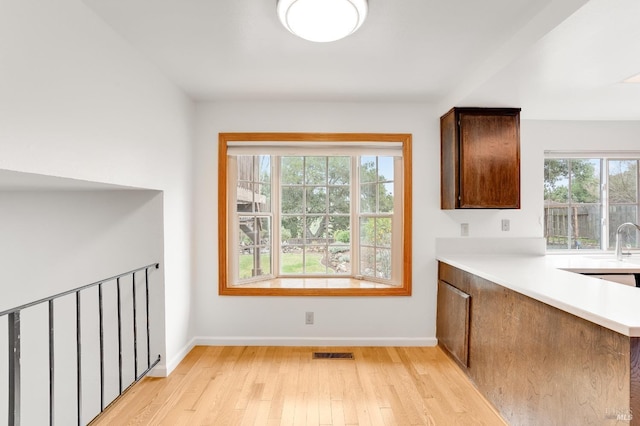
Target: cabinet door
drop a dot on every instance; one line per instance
(452, 321)
(489, 160)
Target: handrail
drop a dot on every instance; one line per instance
(14, 368)
(75, 290)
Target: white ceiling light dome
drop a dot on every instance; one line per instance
(322, 20)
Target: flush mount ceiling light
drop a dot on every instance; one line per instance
(322, 20)
(633, 79)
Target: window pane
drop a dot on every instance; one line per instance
(619, 214)
(316, 229)
(556, 182)
(262, 197)
(291, 260)
(242, 204)
(315, 260)
(385, 197)
(586, 229)
(375, 231)
(573, 203)
(244, 266)
(316, 201)
(244, 201)
(383, 263)
(623, 181)
(291, 230)
(368, 173)
(253, 189)
(585, 181)
(576, 227)
(245, 168)
(264, 227)
(340, 258)
(292, 199)
(292, 170)
(339, 170)
(385, 168)
(367, 231)
(367, 261)
(244, 188)
(556, 227)
(342, 236)
(383, 232)
(247, 226)
(255, 238)
(339, 201)
(265, 261)
(339, 227)
(264, 168)
(315, 169)
(368, 198)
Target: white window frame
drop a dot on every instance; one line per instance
(605, 157)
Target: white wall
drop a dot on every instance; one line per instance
(348, 320)
(402, 320)
(70, 238)
(55, 241)
(77, 101)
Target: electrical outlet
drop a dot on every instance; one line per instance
(464, 229)
(506, 224)
(308, 318)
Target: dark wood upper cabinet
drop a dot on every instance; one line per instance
(480, 158)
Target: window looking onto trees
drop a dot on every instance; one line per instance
(586, 199)
(334, 209)
(315, 215)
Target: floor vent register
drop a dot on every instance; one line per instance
(333, 355)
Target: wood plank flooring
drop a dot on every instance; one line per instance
(249, 385)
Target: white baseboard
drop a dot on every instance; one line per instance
(314, 341)
(163, 370)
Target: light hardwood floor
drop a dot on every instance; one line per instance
(284, 386)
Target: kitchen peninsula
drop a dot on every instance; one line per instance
(544, 345)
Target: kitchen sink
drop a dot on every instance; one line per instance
(602, 257)
(606, 266)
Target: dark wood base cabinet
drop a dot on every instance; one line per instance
(453, 321)
(539, 365)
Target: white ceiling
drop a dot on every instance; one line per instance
(552, 58)
(577, 70)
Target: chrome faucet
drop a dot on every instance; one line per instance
(618, 232)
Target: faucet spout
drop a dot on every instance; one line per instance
(618, 234)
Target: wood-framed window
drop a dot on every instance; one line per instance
(314, 214)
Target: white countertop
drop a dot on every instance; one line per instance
(546, 278)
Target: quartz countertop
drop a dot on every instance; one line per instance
(547, 279)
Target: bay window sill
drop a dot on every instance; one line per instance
(315, 287)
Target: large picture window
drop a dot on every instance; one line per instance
(587, 197)
(315, 214)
